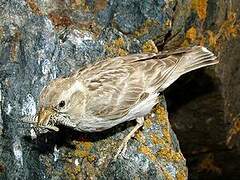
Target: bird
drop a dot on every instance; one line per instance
(116, 90)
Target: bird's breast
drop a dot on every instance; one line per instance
(90, 123)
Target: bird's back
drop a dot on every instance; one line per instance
(166, 67)
(117, 86)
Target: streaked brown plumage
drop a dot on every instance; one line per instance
(116, 90)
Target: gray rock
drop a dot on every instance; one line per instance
(42, 40)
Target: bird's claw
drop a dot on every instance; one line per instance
(123, 147)
(121, 150)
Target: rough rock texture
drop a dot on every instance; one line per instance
(206, 118)
(44, 39)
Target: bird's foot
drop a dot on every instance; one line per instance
(123, 147)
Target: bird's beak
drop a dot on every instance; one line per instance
(44, 115)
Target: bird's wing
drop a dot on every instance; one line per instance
(114, 88)
(116, 85)
(162, 69)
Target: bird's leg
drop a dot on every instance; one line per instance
(123, 147)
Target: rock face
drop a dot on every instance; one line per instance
(206, 118)
(42, 40)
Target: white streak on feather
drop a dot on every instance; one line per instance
(93, 124)
(77, 86)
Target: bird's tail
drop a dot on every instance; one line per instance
(196, 58)
(193, 58)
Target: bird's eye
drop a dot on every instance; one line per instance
(61, 104)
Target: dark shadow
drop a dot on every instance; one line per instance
(187, 88)
(44, 143)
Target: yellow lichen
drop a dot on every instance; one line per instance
(116, 48)
(156, 139)
(91, 158)
(34, 7)
(230, 27)
(72, 171)
(200, 6)
(231, 31)
(182, 175)
(202, 9)
(191, 34)
(148, 152)
(193, 37)
(14, 46)
(162, 117)
(208, 164)
(1, 33)
(80, 153)
(76, 4)
(234, 130)
(144, 29)
(136, 177)
(185, 43)
(122, 52)
(83, 150)
(140, 137)
(80, 4)
(212, 38)
(148, 123)
(149, 47)
(87, 145)
(167, 135)
(60, 20)
(168, 23)
(169, 154)
(202, 40)
(167, 175)
(119, 42)
(100, 5)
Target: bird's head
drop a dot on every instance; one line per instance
(60, 101)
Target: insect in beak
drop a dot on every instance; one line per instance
(44, 116)
(41, 120)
